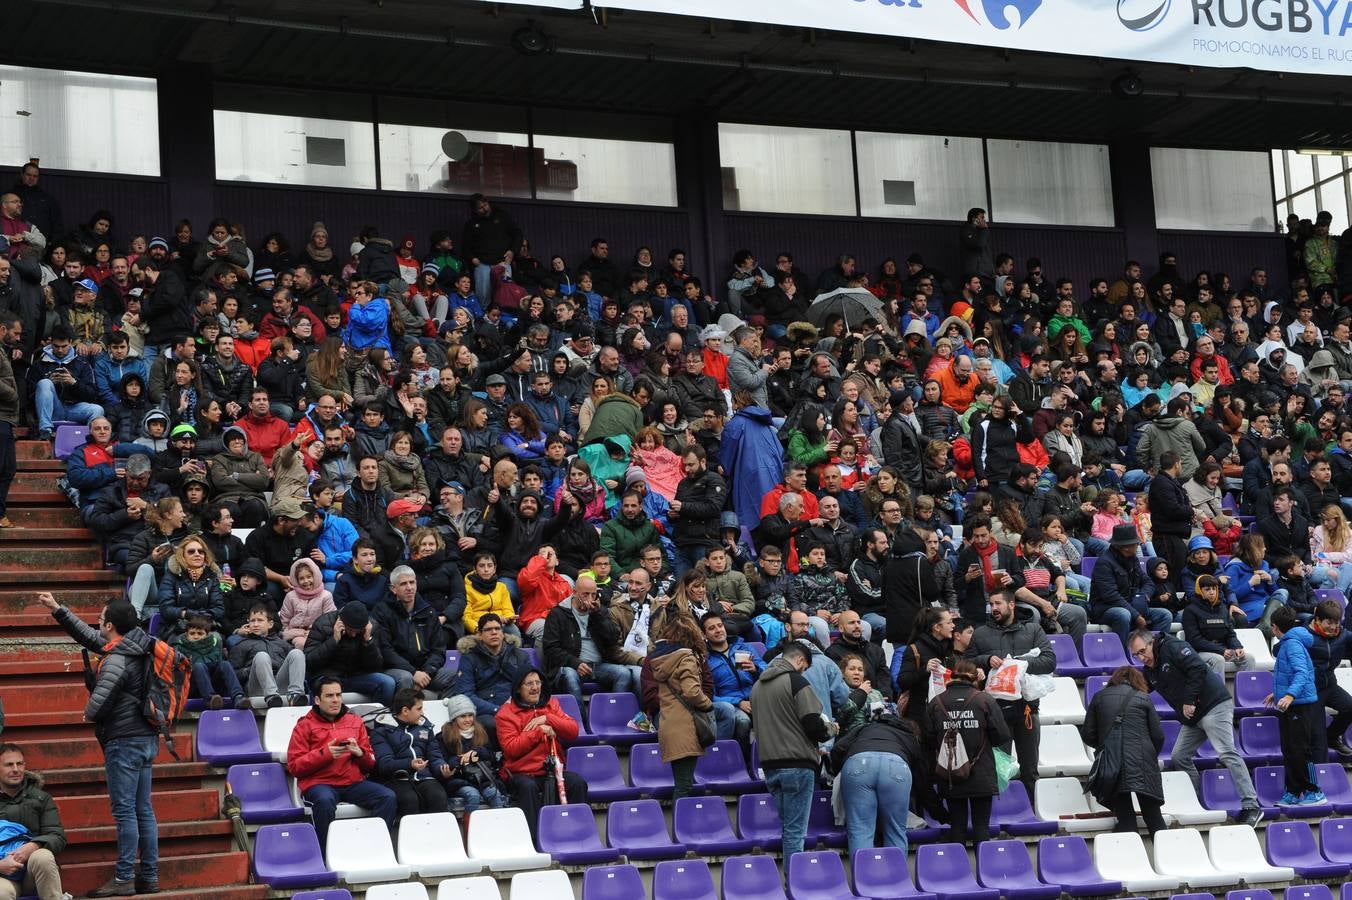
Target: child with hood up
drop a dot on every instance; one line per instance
(131, 408)
(1162, 589)
(154, 431)
(305, 602)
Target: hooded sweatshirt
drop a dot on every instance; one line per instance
(524, 752)
(155, 444)
(1293, 673)
(302, 606)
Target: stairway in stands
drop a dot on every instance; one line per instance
(42, 684)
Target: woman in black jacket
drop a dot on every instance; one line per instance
(1140, 736)
(883, 768)
(931, 644)
(995, 443)
(952, 710)
(440, 581)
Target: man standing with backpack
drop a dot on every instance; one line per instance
(130, 742)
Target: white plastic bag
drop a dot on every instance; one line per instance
(1006, 682)
(938, 682)
(637, 641)
(1035, 687)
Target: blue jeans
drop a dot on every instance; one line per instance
(473, 798)
(731, 722)
(1121, 620)
(372, 684)
(215, 678)
(483, 284)
(612, 677)
(1136, 480)
(878, 624)
(49, 407)
(126, 764)
(792, 790)
(324, 799)
(874, 783)
(687, 558)
(1095, 546)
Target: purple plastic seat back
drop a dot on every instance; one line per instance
(568, 703)
(648, 773)
(1171, 730)
(758, 818)
(1067, 655)
(1092, 685)
(289, 856)
(600, 768)
(882, 873)
(683, 879)
(1193, 897)
(330, 894)
(1004, 863)
(1260, 738)
(636, 823)
(751, 878)
(704, 822)
(1258, 895)
(567, 828)
(264, 791)
(1335, 839)
(1296, 892)
(818, 876)
(1346, 892)
(1087, 565)
(612, 883)
(1065, 860)
(227, 736)
(453, 660)
(1103, 651)
(69, 438)
(944, 869)
(610, 715)
(723, 765)
(757, 646)
(821, 822)
(1219, 792)
(1013, 812)
(1251, 688)
(533, 655)
(1332, 778)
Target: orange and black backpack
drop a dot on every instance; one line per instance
(167, 680)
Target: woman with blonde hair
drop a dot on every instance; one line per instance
(1331, 544)
(191, 584)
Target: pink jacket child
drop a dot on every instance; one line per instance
(305, 602)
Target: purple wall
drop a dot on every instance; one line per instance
(140, 205)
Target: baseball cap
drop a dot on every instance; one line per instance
(399, 507)
(457, 487)
(494, 379)
(289, 508)
(87, 284)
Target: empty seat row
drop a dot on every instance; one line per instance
(1231, 854)
(1102, 652)
(544, 885)
(721, 770)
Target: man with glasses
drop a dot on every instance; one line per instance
(98, 463)
(581, 643)
(1204, 708)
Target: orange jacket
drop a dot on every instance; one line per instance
(524, 752)
(308, 757)
(540, 591)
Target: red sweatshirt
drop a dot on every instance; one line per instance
(308, 757)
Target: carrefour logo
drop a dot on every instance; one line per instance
(996, 11)
(1142, 15)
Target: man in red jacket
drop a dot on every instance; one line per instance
(265, 431)
(330, 754)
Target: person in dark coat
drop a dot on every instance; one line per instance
(985, 566)
(908, 585)
(912, 665)
(343, 643)
(1002, 636)
(1171, 515)
(972, 796)
(903, 442)
(884, 769)
(995, 443)
(1125, 705)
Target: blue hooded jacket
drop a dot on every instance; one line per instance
(335, 541)
(369, 325)
(731, 684)
(1251, 598)
(752, 460)
(1294, 671)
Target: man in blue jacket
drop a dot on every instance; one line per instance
(490, 663)
(333, 547)
(61, 384)
(1300, 715)
(1118, 591)
(94, 466)
(735, 666)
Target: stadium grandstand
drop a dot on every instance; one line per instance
(653, 451)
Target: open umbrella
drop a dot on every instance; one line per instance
(854, 305)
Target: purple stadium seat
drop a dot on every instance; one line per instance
(722, 769)
(600, 768)
(1250, 689)
(328, 894)
(649, 774)
(1162, 707)
(757, 646)
(534, 656)
(228, 736)
(1087, 566)
(1006, 866)
(1068, 657)
(1346, 892)
(1291, 844)
(931, 831)
(1270, 782)
(821, 823)
(1102, 652)
(1332, 778)
(609, 716)
(1335, 840)
(1302, 892)
(1013, 814)
(1065, 860)
(69, 438)
(568, 833)
(638, 829)
(1258, 894)
(1259, 740)
(758, 820)
(1092, 685)
(1205, 758)
(683, 879)
(702, 824)
(1192, 897)
(752, 878)
(264, 791)
(818, 876)
(288, 856)
(1218, 792)
(568, 703)
(882, 874)
(1323, 594)
(755, 765)
(612, 883)
(943, 870)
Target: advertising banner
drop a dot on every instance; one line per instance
(1310, 36)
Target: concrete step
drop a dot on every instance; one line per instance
(41, 561)
(202, 872)
(43, 536)
(41, 464)
(32, 450)
(98, 576)
(45, 494)
(16, 599)
(92, 810)
(50, 699)
(73, 745)
(59, 515)
(77, 781)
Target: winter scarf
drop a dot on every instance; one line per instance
(314, 252)
(406, 463)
